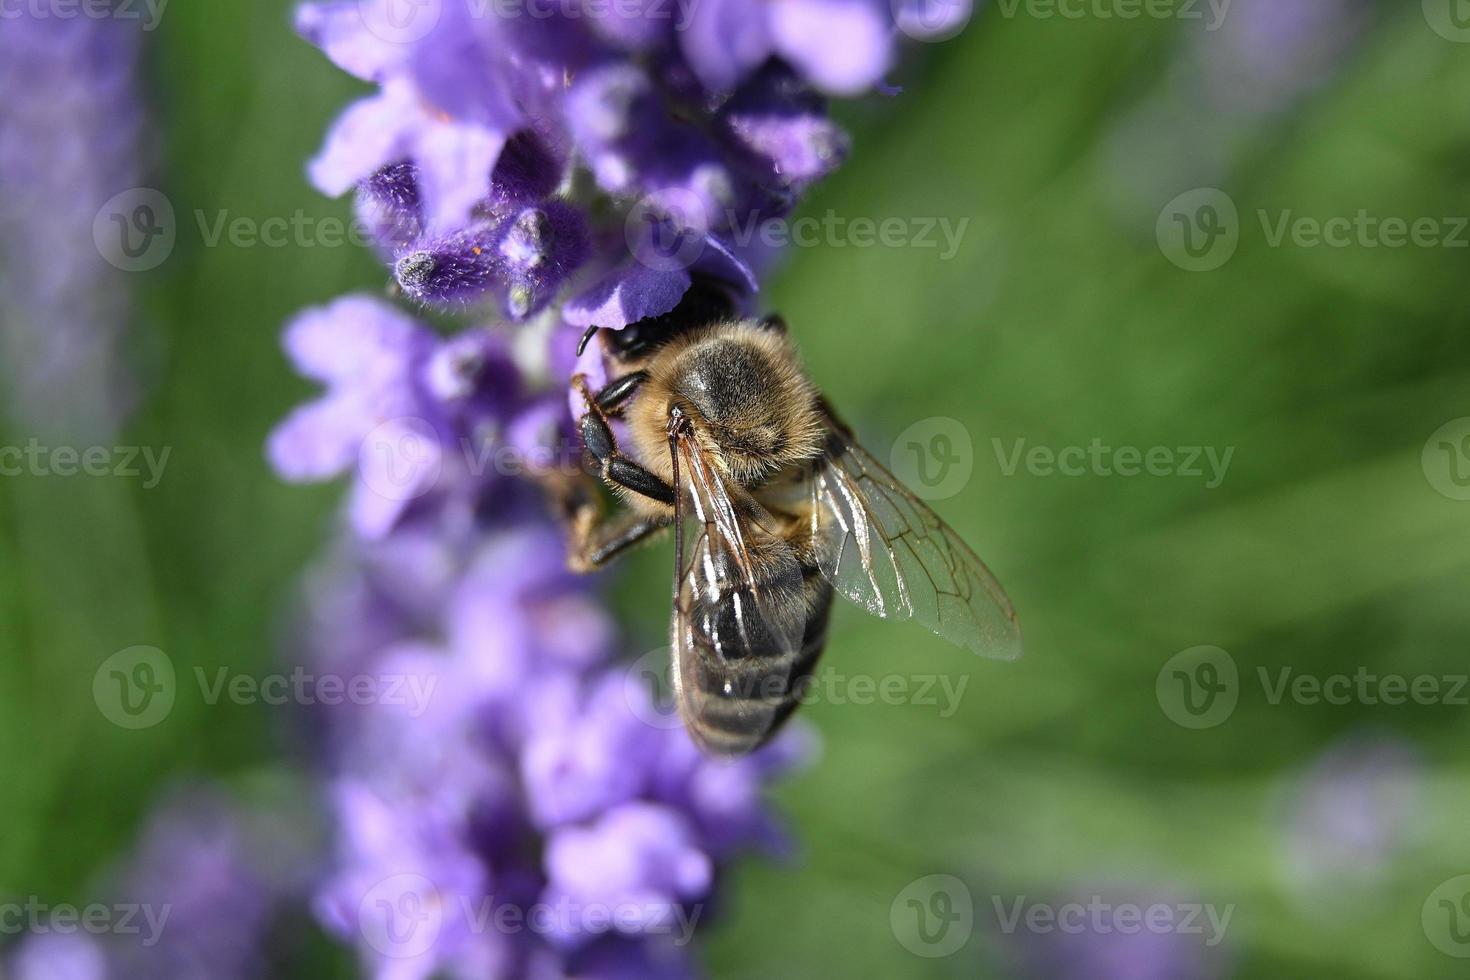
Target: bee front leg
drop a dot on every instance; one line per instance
(616, 469)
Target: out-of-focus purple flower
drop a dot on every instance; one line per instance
(1347, 818)
(841, 46)
(418, 415)
(53, 956)
(1266, 54)
(639, 858)
(70, 127)
(207, 890)
(1236, 71)
(219, 871)
(451, 807)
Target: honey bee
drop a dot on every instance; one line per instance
(774, 507)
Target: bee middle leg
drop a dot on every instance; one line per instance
(603, 539)
(594, 538)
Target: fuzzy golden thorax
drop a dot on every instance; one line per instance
(753, 409)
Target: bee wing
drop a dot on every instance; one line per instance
(739, 613)
(884, 549)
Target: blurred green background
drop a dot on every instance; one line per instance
(1060, 321)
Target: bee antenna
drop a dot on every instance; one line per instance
(582, 344)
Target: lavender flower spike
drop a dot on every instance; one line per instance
(549, 173)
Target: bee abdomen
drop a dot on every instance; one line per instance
(747, 681)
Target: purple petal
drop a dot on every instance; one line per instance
(339, 30)
(356, 340)
(59, 957)
(390, 207)
(455, 162)
(725, 40)
(841, 46)
(371, 134)
(526, 172)
(576, 767)
(317, 441)
(720, 261)
(398, 461)
(640, 856)
(783, 123)
(801, 148)
(593, 366)
(627, 296)
(633, 27)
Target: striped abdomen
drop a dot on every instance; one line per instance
(740, 674)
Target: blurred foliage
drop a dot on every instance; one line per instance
(1059, 322)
